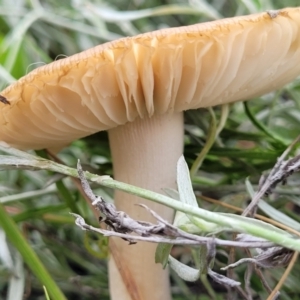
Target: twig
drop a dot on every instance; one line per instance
(280, 172)
(259, 273)
(122, 225)
(181, 237)
(263, 280)
(247, 278)
(270, 258)
(272, 296)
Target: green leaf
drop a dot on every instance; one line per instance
(162, 254)
(185, 272)
(186, 195)
(263, 128)
(67, 196)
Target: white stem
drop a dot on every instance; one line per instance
(145, 153)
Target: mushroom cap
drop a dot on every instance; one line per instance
(160, 72)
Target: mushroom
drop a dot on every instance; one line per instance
(137, 88)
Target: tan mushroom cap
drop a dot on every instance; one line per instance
(160, 72)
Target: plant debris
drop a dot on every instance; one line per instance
(4, 100)
(279, 174)
(122, 225)
(269, 258)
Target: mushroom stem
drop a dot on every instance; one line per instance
(145, 153)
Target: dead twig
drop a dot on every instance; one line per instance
(123, 226)
(280, 172)
(275, 291)
(4, 100)
(120, 224)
